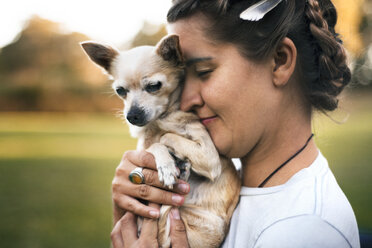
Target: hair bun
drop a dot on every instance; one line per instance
(334, 73)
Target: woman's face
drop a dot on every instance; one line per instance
(234, 97)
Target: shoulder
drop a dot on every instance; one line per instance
(309, 209)
(302, 231)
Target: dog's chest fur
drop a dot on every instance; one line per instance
(177, 122)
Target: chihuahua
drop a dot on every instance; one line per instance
(149, 79)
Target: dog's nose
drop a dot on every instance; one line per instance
(136, 116)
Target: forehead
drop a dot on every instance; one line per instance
(138, 63)
(193, 41)
(131, 62)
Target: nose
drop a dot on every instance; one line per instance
(191, 97)
(136, 116)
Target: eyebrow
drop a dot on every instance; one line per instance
(192, 61)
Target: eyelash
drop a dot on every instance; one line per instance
(203, 74)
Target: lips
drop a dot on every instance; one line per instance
(208, 120)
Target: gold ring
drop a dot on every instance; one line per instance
(136, 176)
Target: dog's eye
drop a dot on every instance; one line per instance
(121, 91)
(153, 87)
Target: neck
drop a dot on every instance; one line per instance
(275, 147)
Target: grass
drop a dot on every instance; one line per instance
(56, 172)
(55, 178)
(55, 202)
(348, 148)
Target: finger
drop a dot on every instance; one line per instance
(133, 205)
(156, 195)
(141, 158)
(150, 226)
(178, 231)
(144, 192)
(134, 159)
(117, 213)
(128, 229)
(152, 178)
(182, 187)
(116, 237)
(146, 159)
(126, 167)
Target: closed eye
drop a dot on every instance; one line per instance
(203, 74)
(152, 88)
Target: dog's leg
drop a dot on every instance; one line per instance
(201, 153)
(204, 229)
(165, 164)
(164, 227)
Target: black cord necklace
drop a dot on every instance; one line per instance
(286, 162)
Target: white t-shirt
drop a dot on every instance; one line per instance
(309, 210)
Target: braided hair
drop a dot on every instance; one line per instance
(310, 24)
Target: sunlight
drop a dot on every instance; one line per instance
(113, 21)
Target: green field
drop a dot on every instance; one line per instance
(55, 178)
(56, 172)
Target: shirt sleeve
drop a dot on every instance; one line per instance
(301, 231)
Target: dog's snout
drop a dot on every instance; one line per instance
(136, 116)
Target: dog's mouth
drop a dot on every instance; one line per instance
(140, 124)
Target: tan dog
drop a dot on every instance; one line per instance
(149, 79)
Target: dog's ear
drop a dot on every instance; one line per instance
(169, 49)
(100, 54)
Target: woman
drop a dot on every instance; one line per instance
(255, 85)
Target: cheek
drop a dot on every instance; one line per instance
(154, 105)
(244, 136)
(241, 111)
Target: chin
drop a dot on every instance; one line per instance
(226, 149)
(222, 147)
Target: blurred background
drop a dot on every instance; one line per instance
(61, 134)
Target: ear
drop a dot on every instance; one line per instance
(100, 54)
(169, 49)
(284, 62)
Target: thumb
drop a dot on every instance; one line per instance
(178, 230)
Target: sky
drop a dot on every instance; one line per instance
(102, 20)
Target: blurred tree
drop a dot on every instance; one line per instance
(149, 35)
(349, 19)
(355, 26)
(45, 69)
(45, 54)
(363, 64)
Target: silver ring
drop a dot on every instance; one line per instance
(136, 176)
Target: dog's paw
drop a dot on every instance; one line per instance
(166, 165)
(168, 173)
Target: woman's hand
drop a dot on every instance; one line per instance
(124, 234)
(125, 194)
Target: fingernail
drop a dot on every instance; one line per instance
(183, 187)
(175, 214)
(154, 214)
(177, 199)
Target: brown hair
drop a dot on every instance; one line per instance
(308, 23)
